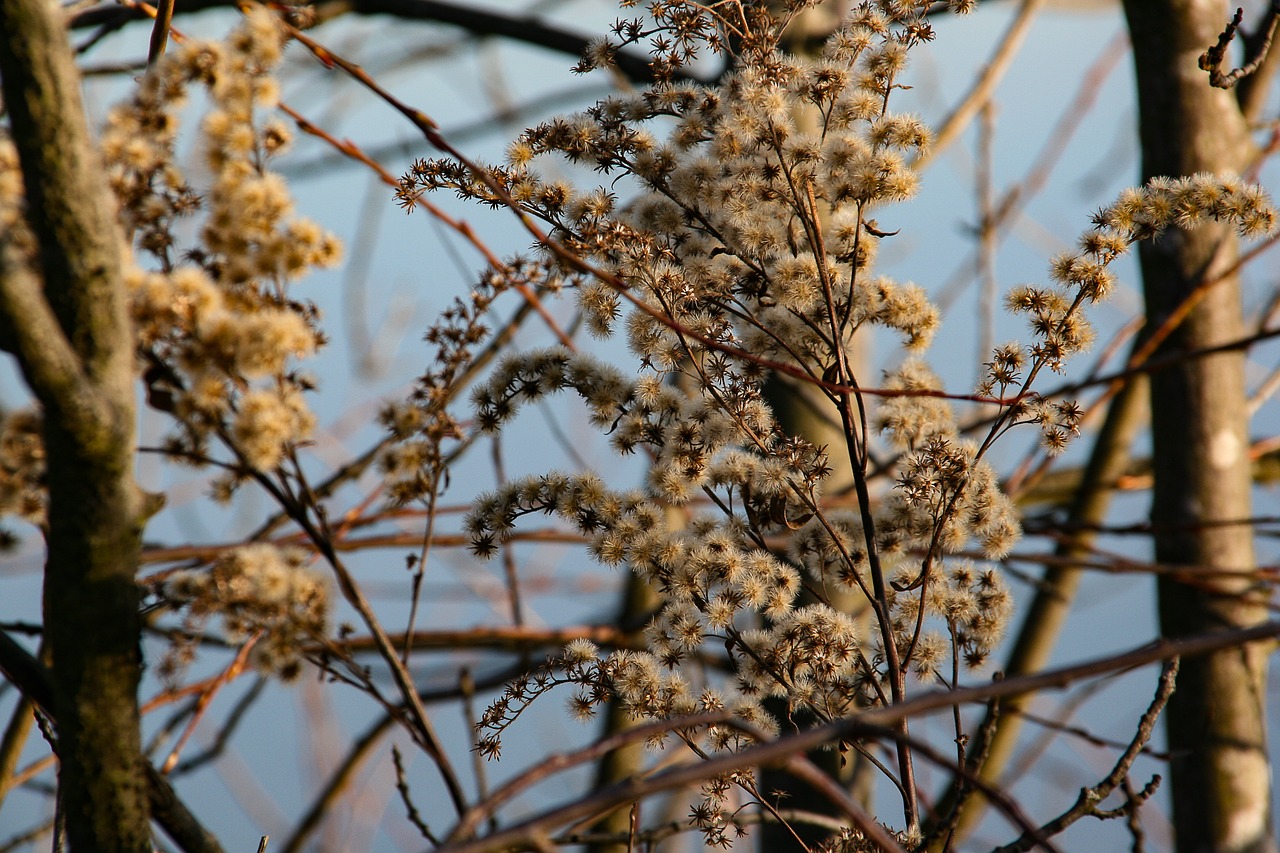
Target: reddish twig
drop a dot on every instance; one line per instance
(228, 675)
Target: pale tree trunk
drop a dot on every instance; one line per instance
(68, 328)
(1216, 720)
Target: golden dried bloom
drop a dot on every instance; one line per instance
(262, 594)
(581, 651)
(267, 423)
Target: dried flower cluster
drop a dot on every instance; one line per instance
(744, 250)
(260, 592)
(1082, 277)
(731, 243)
(217, 328)
(22, 459)
(218, 334)
(22, 488)
(215, 325)
(419, 426)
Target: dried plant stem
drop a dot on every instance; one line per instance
(1055, 595)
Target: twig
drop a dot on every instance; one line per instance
(1018, 196)
(1087, 803)
(510, 573)
(467, 690)
(963, 787)
(779, 749)
(411, 810)
(1211, 60)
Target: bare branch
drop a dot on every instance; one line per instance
(478, 23)
(780, 749)
(1211, 60)
(1087, 803)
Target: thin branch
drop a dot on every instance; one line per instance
(1211, 60)
(411, 810)
(477, 22)
(1087, 803)
(780, 749)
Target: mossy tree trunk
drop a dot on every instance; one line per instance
(67, 325)
(1216, 719)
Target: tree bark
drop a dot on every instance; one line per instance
(68, 326)
(1216, 719)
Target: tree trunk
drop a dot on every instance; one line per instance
(69, 329)
(1215, 721)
